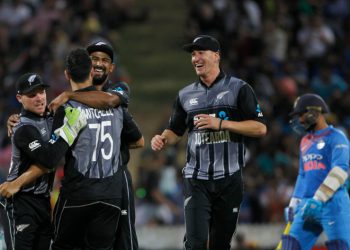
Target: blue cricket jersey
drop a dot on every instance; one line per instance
(319, 153)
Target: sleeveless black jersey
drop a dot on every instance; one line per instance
(30, 141)
(214, 154)
(92, 163)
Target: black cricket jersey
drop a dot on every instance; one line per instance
(214, 154)
(131, 132)
(92, 163)
(31, 144)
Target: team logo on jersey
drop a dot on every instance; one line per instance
(221, 95)
(193, 101)
(320, 144)
(21, 227)
(34, 145)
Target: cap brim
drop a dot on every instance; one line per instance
(45, 86)
(191, 47)
(102, 48)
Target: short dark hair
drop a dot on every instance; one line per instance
(78, 65)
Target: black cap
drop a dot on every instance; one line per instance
(203, 42)
(102, 47)
(28, 82)
(308, 102)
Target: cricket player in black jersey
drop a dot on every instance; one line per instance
(88, 208)
(113, 95)
(34, 156)
(219, 111)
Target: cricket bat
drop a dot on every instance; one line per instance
(285, 232)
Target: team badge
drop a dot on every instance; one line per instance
(320, 144)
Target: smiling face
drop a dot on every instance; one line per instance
(206, 64)
(34, 101)
(102, 66)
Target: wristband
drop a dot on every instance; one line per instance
(220, 124)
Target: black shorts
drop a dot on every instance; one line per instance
(30, 221)
(85, 224)
(212, 206)
(126, 238)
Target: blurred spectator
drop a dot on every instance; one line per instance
(328, 84)
(243, 244)
(316, 39)
(162, 201)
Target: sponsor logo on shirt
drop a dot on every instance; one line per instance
(258, 110)
(193, 101)
(119, 90)
(313, 162)
(34, 145)
(341, 146)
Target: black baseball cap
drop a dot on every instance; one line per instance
(308, 102)
(28, 82)
(203, 42)
(102, 47)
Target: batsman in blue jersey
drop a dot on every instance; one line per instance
(320, 201)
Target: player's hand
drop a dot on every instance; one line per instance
(312, 210)
(8, 189)
(11, 122)
(74, 121)
(203, 121)
(158, 142)
(58, 101)
(289, 213)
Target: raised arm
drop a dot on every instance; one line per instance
(95, 99)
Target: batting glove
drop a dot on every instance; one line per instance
(74, 121)
(289, 214)
(312, 210)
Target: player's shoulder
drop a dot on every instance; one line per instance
(337, 134)
(119, 86)
(189, 87)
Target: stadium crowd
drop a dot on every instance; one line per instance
(282, 48)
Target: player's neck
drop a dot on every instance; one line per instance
(81, 85)
(210, 78)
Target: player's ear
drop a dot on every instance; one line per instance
(112, 67)
(67, 75)
(19, 98)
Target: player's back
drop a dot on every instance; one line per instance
(92, 164)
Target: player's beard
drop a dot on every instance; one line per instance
(99, 80)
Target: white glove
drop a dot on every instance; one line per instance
(74, 121)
